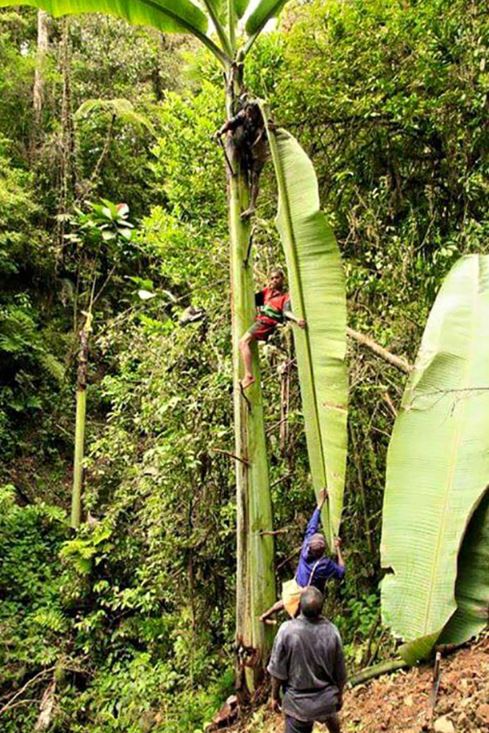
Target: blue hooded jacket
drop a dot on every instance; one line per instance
(325, 567)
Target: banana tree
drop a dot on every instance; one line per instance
(104, 227)
(435, 535)
(217, 25)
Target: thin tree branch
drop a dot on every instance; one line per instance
(289, 557)
(231, 455)
(40, 674)
(276, 425)
(279, 480)
(273, 532)
(397, 361)
(389, 403)
(105, 150)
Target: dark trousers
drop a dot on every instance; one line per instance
(292, 725)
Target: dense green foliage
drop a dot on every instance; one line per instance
(133, 617)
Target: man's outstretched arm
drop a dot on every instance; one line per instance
(292, 317)
(230, 125)
(315, 520)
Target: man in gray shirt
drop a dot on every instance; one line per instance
(307, 661)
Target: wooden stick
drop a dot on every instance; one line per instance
(389, 402)
(276, 425)
(379, 350)
(436, 685)
(272, 532)
(231, 455)
(289, 558)
(279, 480)
(42, 673)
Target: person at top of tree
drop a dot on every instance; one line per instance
(313, 568)
(273, 303)
(248, 135)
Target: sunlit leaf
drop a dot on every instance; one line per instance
(146, 295)
(438, 463)
(318, 295)
(264, 11)
(168, 16)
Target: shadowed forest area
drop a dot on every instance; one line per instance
(128, 624)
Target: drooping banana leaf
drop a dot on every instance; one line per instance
(123, 109)
(264, 11)
(317, 290)
(438, 463)
(472, 586)
(169, 16)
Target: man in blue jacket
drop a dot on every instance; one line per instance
(313, 568)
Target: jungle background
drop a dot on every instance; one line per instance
(131, 620)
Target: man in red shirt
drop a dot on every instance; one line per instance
(273, 304)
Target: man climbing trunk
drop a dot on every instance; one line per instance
(273, 304)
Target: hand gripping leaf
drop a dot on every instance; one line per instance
(318, 294)
(438, 471)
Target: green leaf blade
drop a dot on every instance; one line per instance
(167, 16)
(170, 16)
(318, 294)
(264, 11)
(472, 587)
(438, 460)
(240, 7)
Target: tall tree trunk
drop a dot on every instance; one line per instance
(255, 583)
(67, 142)
(80, 421)
(42, 48)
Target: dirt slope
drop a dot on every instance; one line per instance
(401, 701)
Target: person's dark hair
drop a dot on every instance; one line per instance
(317, 546)
(311, 603)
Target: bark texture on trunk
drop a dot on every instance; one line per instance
(67, 170)
(80, 421)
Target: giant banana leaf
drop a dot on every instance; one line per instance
(169, 16)
(472, 587)
(317, 290)
(175, 16)
(438, 465)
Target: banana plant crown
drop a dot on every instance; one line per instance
(227, 28)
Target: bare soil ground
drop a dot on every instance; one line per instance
(400, 702)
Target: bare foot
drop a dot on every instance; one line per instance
(247, 380)
(248, 213)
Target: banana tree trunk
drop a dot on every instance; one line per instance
(255, 582)
(80, 421)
